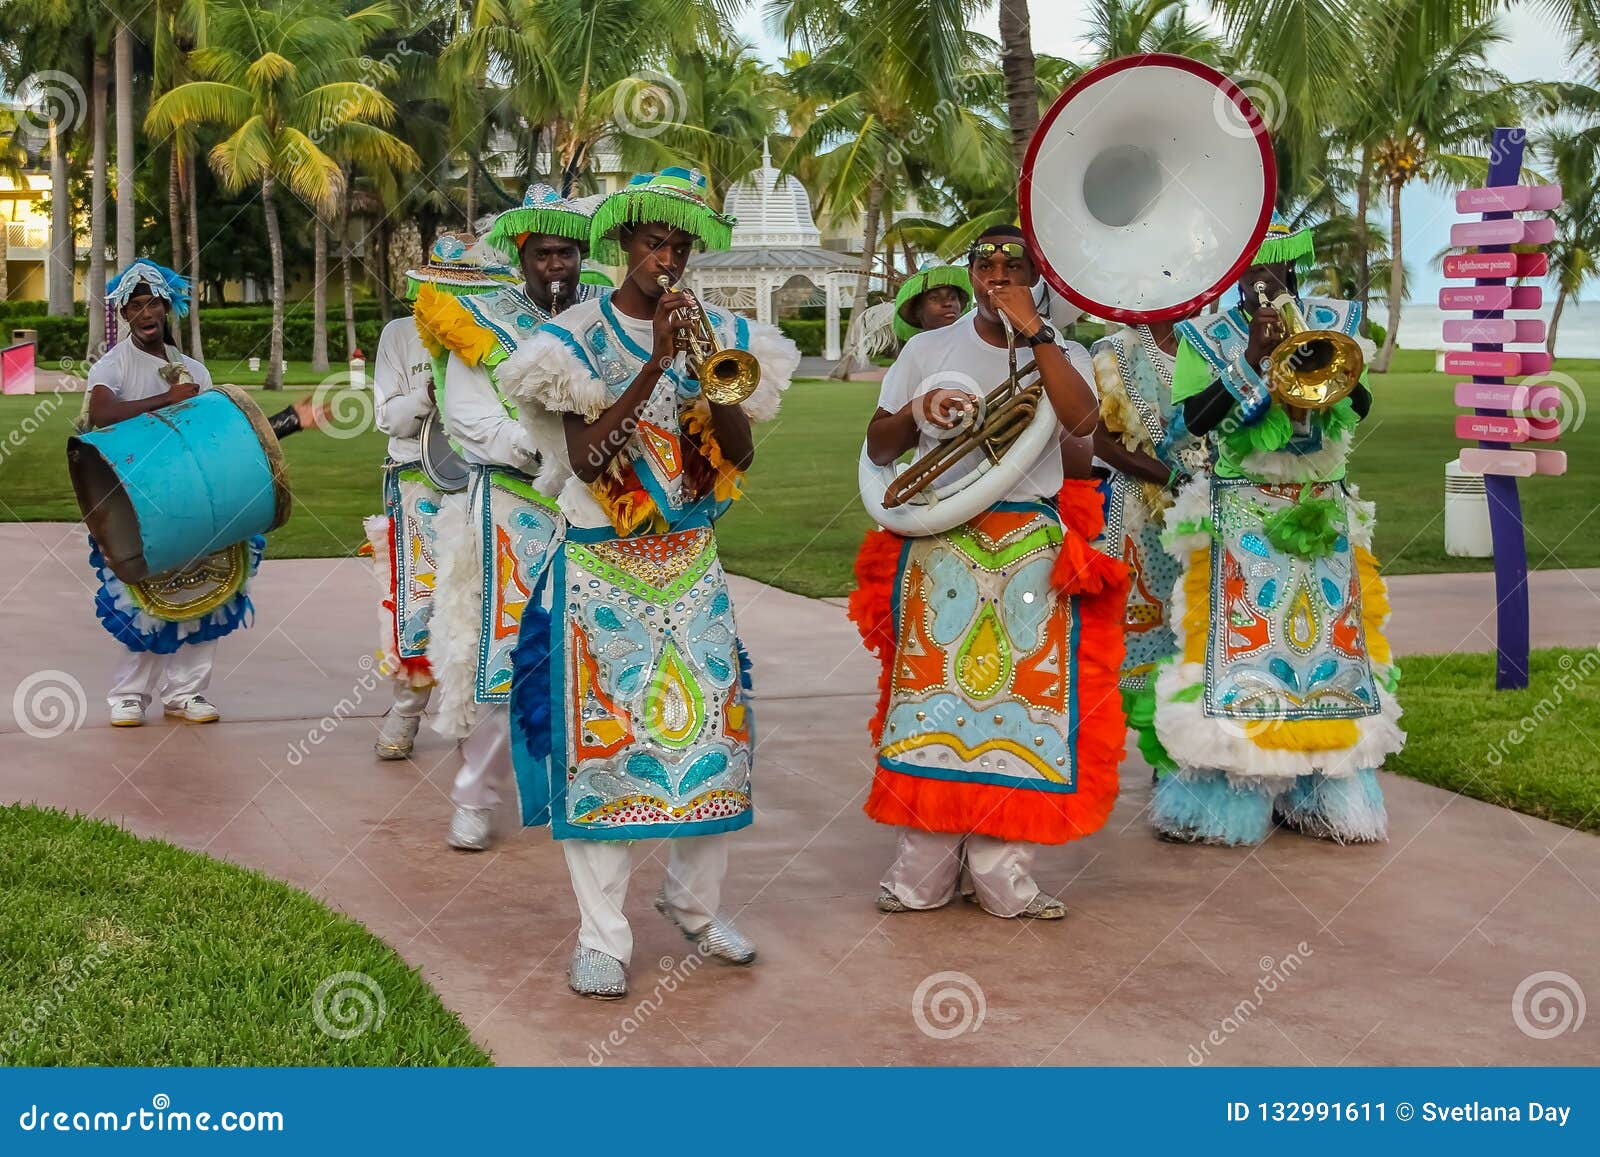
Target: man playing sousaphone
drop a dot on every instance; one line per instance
(1280, 701)
(999, 726)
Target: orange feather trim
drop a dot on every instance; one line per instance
(698, 428)
(872, 610)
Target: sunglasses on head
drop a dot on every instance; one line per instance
(984, 250)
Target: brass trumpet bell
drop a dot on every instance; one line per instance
(1311, 369)
(726, 376)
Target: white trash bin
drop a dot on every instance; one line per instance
(1466, 514)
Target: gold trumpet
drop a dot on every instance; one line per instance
(726, 376)
(1311, 369)
(1006, 412)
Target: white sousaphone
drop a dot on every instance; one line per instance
(1144, 193)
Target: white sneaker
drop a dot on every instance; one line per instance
(195, 709)
(396, 735)
(128, 712)
(469, 829)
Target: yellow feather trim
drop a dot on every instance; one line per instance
(1374, 605)
(696, 424)
(1196, 605)
(1303, 734)
(444, 323)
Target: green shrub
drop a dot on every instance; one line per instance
(807, 333)
(1377, 333)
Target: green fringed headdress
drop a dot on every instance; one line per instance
(929, 277)
(595, 277)
(1284, 244)
(459, 264)
(543, 210)
(675, 197)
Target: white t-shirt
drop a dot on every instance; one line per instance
(401, 374)
(133, 375)
(957, 358)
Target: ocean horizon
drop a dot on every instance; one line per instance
(1422, 326)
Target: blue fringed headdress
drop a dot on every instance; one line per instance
(163, 282)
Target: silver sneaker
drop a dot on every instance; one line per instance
(469, 829)
(396, 735)
(889, 902)
(718, 938)
(594, 974)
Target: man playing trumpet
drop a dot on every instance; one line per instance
(1280, 701)
(630, 700)
(999, 726)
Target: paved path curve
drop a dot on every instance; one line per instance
(1406, 953)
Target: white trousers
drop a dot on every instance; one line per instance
(171, 678)
(486, 759)
(928, 869)
(410, 701)
(600, 869)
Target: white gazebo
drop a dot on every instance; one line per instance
(776, 246)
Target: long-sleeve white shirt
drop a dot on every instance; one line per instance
(401, 375)
(478, 423)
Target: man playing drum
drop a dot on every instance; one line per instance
(998, 724)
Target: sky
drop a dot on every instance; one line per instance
(1532, 51)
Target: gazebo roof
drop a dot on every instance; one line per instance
(777, 259)
(771, 212)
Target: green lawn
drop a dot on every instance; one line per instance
(1533, 751)
(122, 951)
(801, 522)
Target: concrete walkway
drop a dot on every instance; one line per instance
(1406, 953)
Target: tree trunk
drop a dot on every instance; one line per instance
(126, 241)
(428, 230)
(1363, 234)
(1555, 321)
(96, 291)
(472, 191)
(858, 305)
(63, 259)
(1022, 82)
(344, 271)
(319, 296)
(1397, 282)
(385, 306)
(175, 223)
(192, 211)
(275, 247)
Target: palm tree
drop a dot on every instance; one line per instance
(1574, 158)
(96, 292)
(283, 80)
(887, 78)
(122, 51)
(1429, 106)
(1022, 81)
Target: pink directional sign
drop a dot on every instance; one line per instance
(1492, 427)
(1497, 330)
(1504, 415)
(1508, 199)
(1496, 265)
(1491, 297)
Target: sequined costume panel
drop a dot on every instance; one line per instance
(412, 506)
(983, 680)
(1286, 637)
(1133, 534)
(518, 533)
(651, 720)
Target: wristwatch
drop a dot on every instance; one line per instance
(1041, 336)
